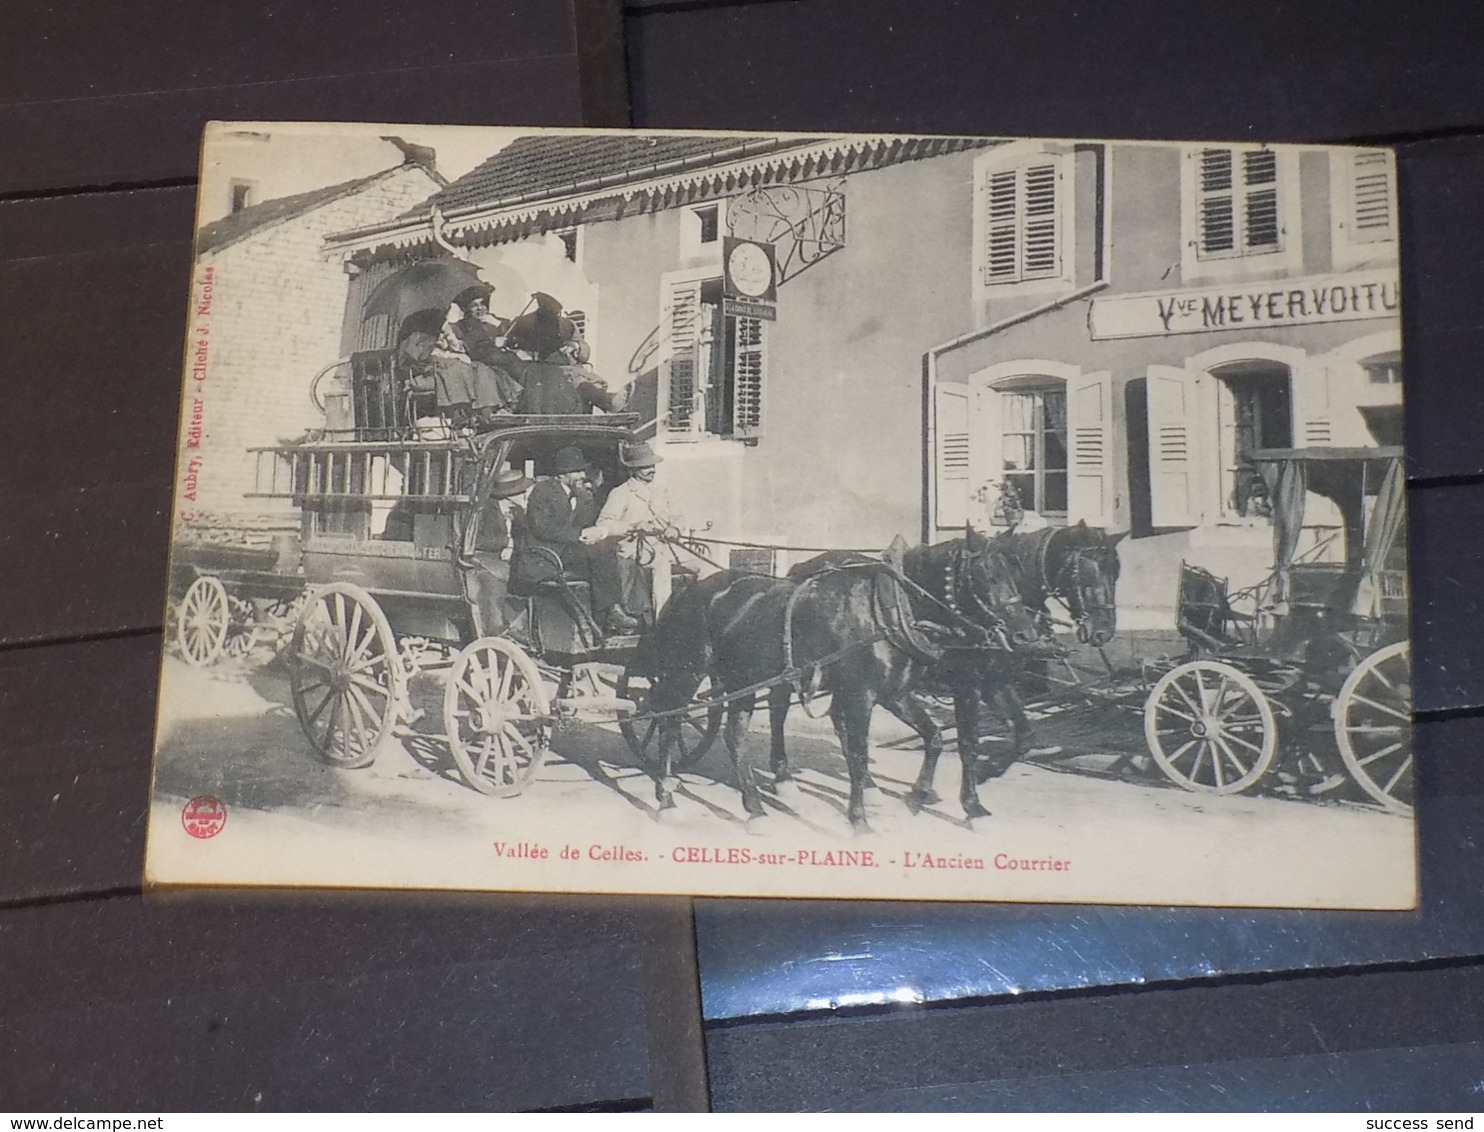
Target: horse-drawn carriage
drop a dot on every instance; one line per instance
(1309, 673)
(385, 580)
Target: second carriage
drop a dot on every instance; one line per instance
(1309, 673)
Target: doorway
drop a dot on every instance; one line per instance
(1136, 422)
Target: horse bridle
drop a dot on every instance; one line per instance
(954, 573)
(1072, 595)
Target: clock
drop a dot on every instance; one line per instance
(751, 270)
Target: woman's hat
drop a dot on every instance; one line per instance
(508, 482)
(569, 459)
(639, 455)
(469, 294)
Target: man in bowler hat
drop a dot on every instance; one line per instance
(560, 507)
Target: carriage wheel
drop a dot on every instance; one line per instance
(498, 716)
(343, 672)
(693, 738)
(202, 623)
(1373, 726)
(1210, 728)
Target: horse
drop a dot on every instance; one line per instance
(843, 625)
(1078, 567)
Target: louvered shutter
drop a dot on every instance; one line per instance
(1173, 448)
(1260, 200)
(748, 377)
(1022, 221)
(1039, 257)
(951, 459)
(1237, 205)
(1090, 414)
(1216, 202)
(1313, 414)
(1001, 229)
(1372, 197)
(681, 371)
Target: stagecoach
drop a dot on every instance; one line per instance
(383, 582)
(1307, 674)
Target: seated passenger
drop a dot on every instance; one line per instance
(497, 516)
(561, 506)
(563, 382)
(469, 391)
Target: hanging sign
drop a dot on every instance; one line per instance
(749, 285)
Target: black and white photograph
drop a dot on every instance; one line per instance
(859, 516)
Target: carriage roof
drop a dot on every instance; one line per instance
(432, 470)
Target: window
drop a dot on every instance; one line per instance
(1362, 206)
(1240, 211)
(1033, 447)
(717, 367)
(243, 195)
(1385, 369)
(708, 222)
(701, 229)
(1022, 221)
(1256, 411)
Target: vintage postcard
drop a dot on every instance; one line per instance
(835, 516)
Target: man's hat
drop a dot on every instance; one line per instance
(569, 459)
(639, 455)
(469, 294)
(508, 482)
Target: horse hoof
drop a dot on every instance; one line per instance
(859, 827)
(977, 823)
(786, 787)
(756, 823)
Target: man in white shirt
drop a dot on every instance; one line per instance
(635, 506)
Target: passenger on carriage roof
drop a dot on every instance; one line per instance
(469, 389)
(560, 507)
(562, 382)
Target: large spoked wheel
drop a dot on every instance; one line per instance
(202, 622)
(344, 674)
(1373, 726)
(1210, 727)
(498, 717)
(694, 733)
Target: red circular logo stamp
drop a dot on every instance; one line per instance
(204, 817)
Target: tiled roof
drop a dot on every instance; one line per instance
(552, 165)
(255, 218)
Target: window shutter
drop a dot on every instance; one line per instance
(1372, 197)
(1040, 258)
(681, 370)
(1090, 493)
(1310, 386)
(1001, 227)
(1216, 211)
(1173, 451)
(951, 460)
(748, 376)
(1022, 239)
(1260, 175)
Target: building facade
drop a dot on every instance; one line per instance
(1107, 328)
(1148, 315)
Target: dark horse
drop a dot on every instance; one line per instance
(845, 625)
(1077, 567)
